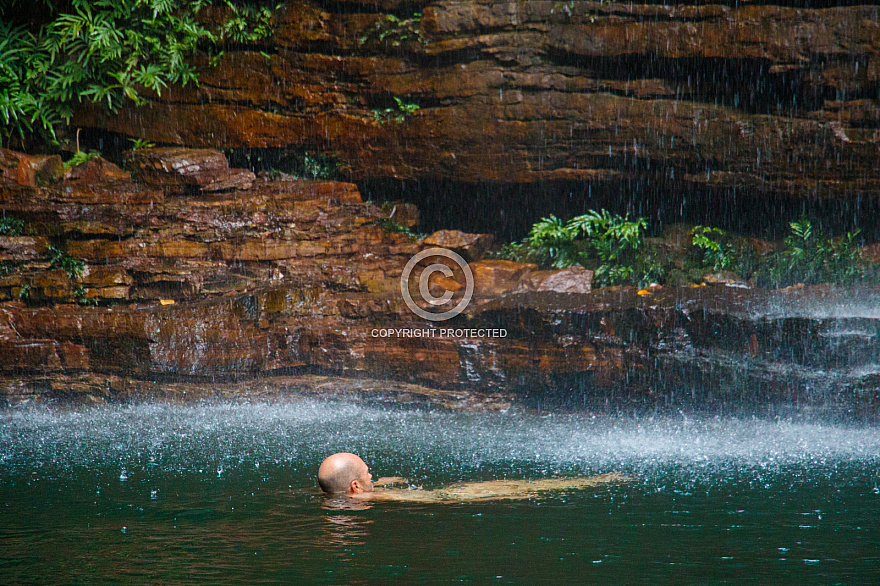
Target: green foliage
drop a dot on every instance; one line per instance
(605, 242)
(395, 227)
(285, 163)
(11, 226)
(106, 52)
(810, 257)
(247, 23)
(60, 260)
(400, 112)
(316, 167)
(24, 292)
(140, 143)
(81, 296)
(395, 31)
(717, 251)
(80, 157)
(614, 247)
(74, 269)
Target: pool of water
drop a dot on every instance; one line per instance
(226, 493)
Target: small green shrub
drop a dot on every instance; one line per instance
(316, 167)
(605, 242)
(25, 292)
(60, 260)
(401, 112)
(717, 250)
(810, 257)
(11, 226)
(141, 143)
(80, 157)
(395, 31)
(395, 227)
(81, 296)
(103, 51)
(615, 248)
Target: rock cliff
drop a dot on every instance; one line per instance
(115, 290)
(766, 99)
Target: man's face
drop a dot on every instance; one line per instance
(365, 479)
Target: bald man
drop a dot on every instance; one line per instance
(346, 474)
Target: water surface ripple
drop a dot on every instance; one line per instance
(225, 492)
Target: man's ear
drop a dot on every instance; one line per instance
(355, 487)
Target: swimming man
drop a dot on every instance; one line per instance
(345, 474)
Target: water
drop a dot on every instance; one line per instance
(226, 493)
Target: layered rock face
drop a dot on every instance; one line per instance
(119, 290)
(765, 99)
(265, 278)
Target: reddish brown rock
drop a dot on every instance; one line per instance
(470, 246)
(174, 169)
(30, 170)
(227, 180)
(97, 169)
(22, 247)
(98, 276)
(494, 277)
(258, 250)
(569, 280)
(405, 214)
(707, 96)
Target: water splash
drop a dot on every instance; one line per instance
(216, 439)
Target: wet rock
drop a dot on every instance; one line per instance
(723, 278)
(472, 247)
(569, 280)
(539, 83)
(95, 170)
(98, 276)
(494, 277)
(440, 283)
(22, 247)
(174, 169)
(228, 180)
(30, 170)
(405, 214)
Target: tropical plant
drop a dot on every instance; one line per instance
(141, 143)
(60, 260)
(718, 251)
(395, 227)
(811, 257)
(605, 242)
(106, 52)
(11, 226)
(400, 112)
(316, 167)
(395, 31)
(80, 157)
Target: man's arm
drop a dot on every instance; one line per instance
(386, 480)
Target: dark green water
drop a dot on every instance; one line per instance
(225, 493)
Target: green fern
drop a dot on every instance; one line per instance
(140, 143)
(80, 157)
(606, 242)
(107, 52)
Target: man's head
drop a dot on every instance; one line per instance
(344, 472)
